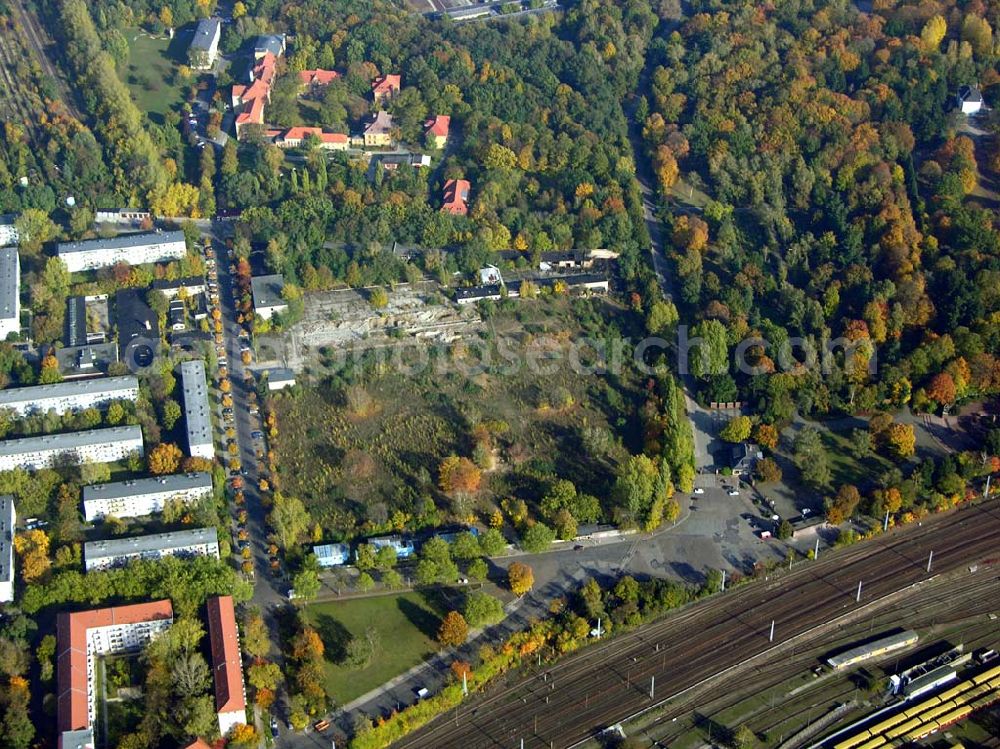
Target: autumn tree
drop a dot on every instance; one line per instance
(520, 577)
(942, 389)
(841, 507)
(33, 549)
(901, 440)
(165, 458)
(737, 430)
(767, 471)
(457, 475)
(453, 630)
(766, 435)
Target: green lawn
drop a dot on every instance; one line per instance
(406, 625)
(846, 468)
(151, 73)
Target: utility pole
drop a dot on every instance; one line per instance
(652, 686)
(465, 684)
(723, 581)
(816, 551)
(986, 492)
(930, 558)
(885, 523)
(858, 598)
(771, 638)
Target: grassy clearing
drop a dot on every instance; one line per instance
(151, 73)
(406, 624)
(350, 466)
(846, 468)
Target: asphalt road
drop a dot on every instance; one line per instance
(586, 692)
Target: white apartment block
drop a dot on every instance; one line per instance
(8, 517)
(196, 410)
(115, 552)
(74, 448)
(10, 292)
(141, 497)
(80, 638)
(69, 396)
(133, 249)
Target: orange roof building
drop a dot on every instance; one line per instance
(82, 635)
(456, 197)
(437, 129)
(385, 87)
(199, 743)
(318, 78)
(251, 99)
(227, 667)
(293, 137)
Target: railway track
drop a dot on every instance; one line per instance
(19, 105)
(599, 686)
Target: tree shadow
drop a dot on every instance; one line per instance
(713, 730)
(335, 637)
(419, 617)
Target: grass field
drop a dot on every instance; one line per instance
(151, 73)
(349, 467)
(406, 624)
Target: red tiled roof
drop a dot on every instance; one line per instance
(438, 125)
(300, 132)
(318, 77)
(199, 743)
(258, 92)
(226, 665)
(456, 196)
(387, 84)
(71, 653)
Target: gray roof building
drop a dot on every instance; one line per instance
(103, 554)
(266, 291)
(69, 396)
(86, 361)
(94, 445)
(8, 518)
(10, 291)
(135, 249)
(196, 409)
(140, 497)
(206, 35)
(273, 43)
(122, 241)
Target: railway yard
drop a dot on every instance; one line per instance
(700, 656)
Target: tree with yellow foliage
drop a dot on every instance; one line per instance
(33, 549)
(933, 32)
(520, 577)
(165, 458)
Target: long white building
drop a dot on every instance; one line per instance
(100, 555)
(196, 411)
(133, 249)
(141, 497)
(10, 292)
(74, 448)
(69, 396)
(8, 517)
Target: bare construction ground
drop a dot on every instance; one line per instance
(346, 318)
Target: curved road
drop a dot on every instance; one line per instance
(601, 685)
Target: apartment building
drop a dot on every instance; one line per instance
(116, 552)
(8, 518)
(10, 292)
(132, 249)
(227, 667)
(196, 410)
(141, 497)
(63, 397)
(73, 448)
(81, 637)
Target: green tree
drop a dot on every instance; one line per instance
(365, 557)
(537, 538)
(482, 609)
(306, 584)
(492, 542)
(737, 429)
(290, 520)
(478, 569)
(385, 559)
(34, 228)
(709, 355)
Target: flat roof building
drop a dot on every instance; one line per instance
(133, 249)
(77, 395)
(75, 448)
(141, 497)
(76, 362)
(8, 229)
(404, 547)
(192, 286)
(267, 299)
(82, 636)
(196, 410)
(8, 519)
(115, 552)
(10, 292)
(227, 667)
(332, 555)
(279, 378)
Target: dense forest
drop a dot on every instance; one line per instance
(842, 198)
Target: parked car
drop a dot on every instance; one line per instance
(257, 434)
(733, 493)
(698, 490)
(274, 727)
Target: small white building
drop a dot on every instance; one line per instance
(332, 555)
(8, 519)
(72, 448)
(141, 497)
(280, 378)
(132, 249)
(196, 410)
(76, 395)
(10, 292)
(970, 99)
(100, 555)
(267, 298)
(204, 47)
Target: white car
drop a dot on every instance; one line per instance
(699, 490)
(733, 493)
